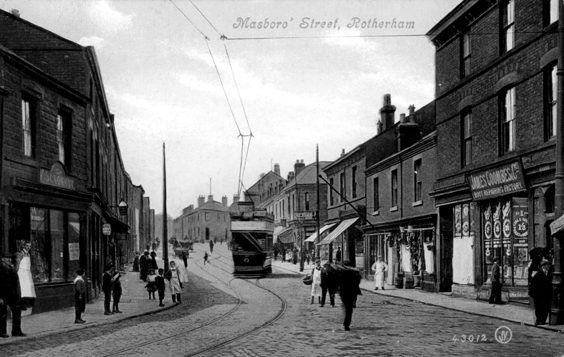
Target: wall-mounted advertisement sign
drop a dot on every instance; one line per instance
(499, 181)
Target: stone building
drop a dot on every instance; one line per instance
(208, 221)
(62, 177)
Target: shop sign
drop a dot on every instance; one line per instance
(499, 181)
(56, 177)
(520, 220)
(106, 229)
(304, 215)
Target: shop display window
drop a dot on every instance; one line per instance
(55, 241)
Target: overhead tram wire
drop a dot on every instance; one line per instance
(206, 38)
(243, 162)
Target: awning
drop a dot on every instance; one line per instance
(286, 236)
(313, 237)
(343, 226)
(276, 233)
(557, 226)
(117, 225)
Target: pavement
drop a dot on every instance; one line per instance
(513, 312)
(135, 303)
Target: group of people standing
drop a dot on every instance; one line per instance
(158, 280)
(331, 278)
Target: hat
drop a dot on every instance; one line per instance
(544, 262)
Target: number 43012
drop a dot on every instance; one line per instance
(469, 338)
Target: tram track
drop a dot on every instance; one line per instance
(223, 317)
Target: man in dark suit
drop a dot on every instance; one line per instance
(495, 295)
(9, 296)
(349, 289)
(107, 288)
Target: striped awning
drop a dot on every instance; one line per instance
(286, 236)
(343, 226)
(313, 237)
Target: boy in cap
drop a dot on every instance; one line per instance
(160, 283)
(79, 297)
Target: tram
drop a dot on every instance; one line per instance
(251, 240)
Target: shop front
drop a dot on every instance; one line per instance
(346, 239)
(52, 220)
(494, 224)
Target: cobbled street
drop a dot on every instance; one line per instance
(212, 315)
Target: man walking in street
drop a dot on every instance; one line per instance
(495, 295)
(541, 292)
(349, 288)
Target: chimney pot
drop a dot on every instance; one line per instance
(15, 12)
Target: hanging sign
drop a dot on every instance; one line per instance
(106, 229)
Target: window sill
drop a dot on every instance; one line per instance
(417, 203)
(376, 213)
(393, 209)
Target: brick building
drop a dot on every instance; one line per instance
(401, 215)
(295, 208)
(62, 177)
(495, 105)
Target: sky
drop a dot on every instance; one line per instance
(315, 76)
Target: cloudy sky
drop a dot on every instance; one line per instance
(301, 84)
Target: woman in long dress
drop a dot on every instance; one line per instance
(27, 287)
(173, 280)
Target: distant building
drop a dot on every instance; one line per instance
(208, 221)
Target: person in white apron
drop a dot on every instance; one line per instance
(27, 287)
(379, 268)
(316, 285)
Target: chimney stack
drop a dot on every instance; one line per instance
(210, 198)
(387, 113)
(342, 152)
(224, 201)
(201, 200)
(15, 12)
(277, 169)
(408, 132)
(291, 176)
(235, 198)
(298, 167)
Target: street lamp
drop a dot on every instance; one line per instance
(122, 207)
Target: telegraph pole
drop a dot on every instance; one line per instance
(165, 222)
(557, 309)
(317, 240)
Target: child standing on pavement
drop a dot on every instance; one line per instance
(160, 285)
(205, 258)
(151, 287)
(116, 292)
(79, 297)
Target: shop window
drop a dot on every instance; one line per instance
(507, 26)
(466, 147)
(55, 242)
(550, 12)
(465, 54)
(508, 122)
(550, 102)
(29, 125)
